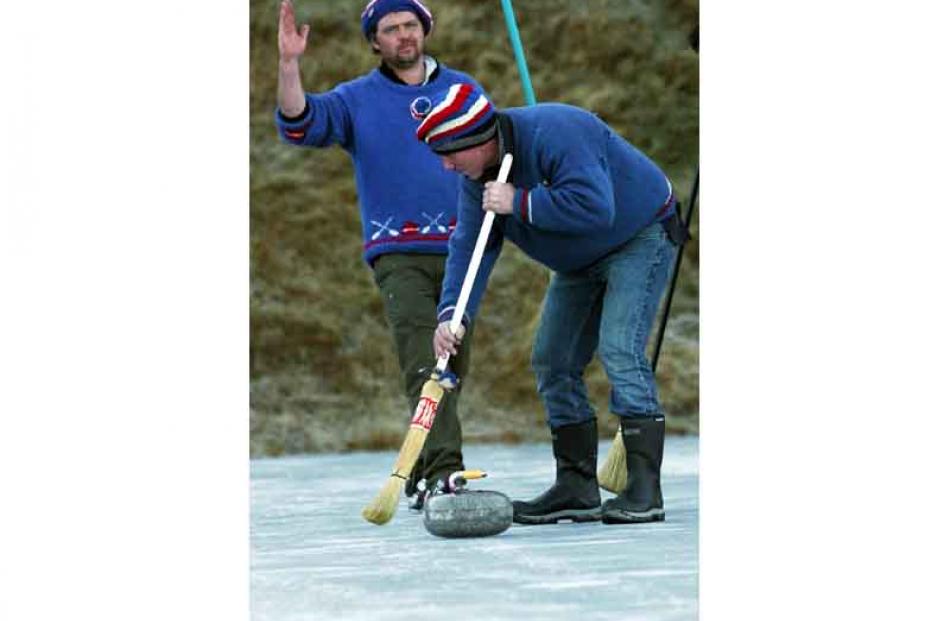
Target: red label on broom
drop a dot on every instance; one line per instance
(425, 413)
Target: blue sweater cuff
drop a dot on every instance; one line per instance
(295, 120)
(446, 315)
(294, 129)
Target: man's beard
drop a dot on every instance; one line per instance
(403, 62)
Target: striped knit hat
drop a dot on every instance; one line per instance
(376, 9)
(463, 118)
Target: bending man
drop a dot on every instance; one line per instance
(600, 214)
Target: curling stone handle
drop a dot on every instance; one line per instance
(459, 478)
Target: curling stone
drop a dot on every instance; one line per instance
(458, 512)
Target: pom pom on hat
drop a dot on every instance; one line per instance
(462, 117)
(376, 9)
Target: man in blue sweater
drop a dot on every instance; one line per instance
(599, 213)
(407, 201)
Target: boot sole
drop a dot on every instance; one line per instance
(574, 515)
(620, 516)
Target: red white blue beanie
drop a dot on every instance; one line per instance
(462, 117)
(376, 9)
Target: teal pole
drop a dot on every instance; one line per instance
(515, 37)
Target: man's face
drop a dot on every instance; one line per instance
(399, 39)
(469, 162)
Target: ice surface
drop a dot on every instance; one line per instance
(314, 557)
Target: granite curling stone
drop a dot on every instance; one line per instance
(458, 512)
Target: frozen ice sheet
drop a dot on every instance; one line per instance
(314, 557)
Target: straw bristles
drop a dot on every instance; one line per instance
(383, 507)
(612, 476)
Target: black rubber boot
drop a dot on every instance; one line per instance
(575, 494)
(642, 500)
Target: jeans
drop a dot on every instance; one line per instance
(411, 285)
(607, 307)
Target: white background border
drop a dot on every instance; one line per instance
(124, 237)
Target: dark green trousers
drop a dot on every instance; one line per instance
(411, 285)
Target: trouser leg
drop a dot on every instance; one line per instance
(564, 345)
(636, 275)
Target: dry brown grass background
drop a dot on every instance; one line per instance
(323, 372)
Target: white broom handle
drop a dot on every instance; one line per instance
(473, 264)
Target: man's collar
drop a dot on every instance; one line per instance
(431, 68)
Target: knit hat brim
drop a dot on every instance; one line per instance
(375, 10)
(469, 141)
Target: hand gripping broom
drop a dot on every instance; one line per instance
(612, 476)
(382, 508)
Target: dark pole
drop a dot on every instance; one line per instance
(676, 269)
(693, 43)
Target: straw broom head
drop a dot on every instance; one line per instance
(612, 476)
(382, 508)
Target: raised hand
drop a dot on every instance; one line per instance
(290, 41)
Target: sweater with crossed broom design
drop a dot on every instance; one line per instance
(407, 200)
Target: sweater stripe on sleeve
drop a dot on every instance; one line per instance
(524, 206)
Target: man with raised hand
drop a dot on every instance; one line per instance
(407, 201)
(598, 212)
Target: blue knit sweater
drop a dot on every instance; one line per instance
(581, 192)
(407, 200)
